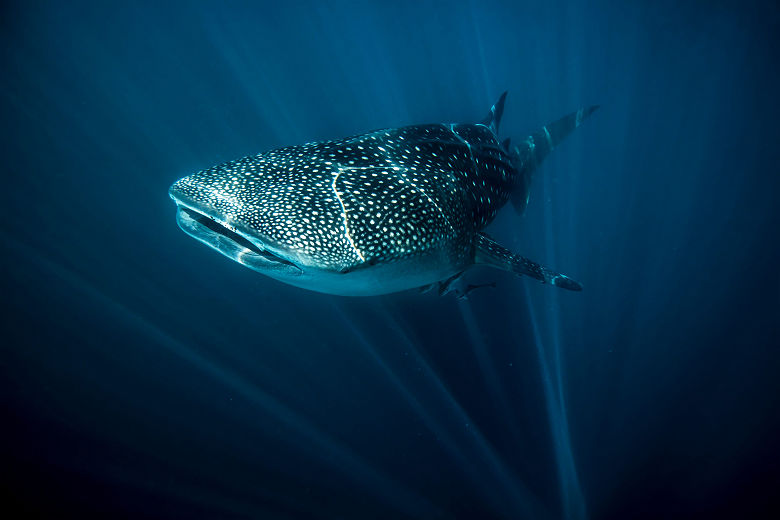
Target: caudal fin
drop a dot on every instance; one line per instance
(544, 141)
(530, 153)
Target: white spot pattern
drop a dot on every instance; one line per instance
(375, 197)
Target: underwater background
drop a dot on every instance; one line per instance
(144, 375)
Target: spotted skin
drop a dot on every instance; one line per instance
(410, 200)
(370, 198)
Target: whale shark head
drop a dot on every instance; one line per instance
(264, 215)
(220, 220)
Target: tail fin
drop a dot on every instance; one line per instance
(544, 141)
(529, 154)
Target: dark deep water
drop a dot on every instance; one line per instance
(144, 375)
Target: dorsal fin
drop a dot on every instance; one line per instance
(493, 119)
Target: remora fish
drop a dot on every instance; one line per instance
(375, 213)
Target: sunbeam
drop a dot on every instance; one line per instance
(220, 221)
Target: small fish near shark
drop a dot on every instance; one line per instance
(375, 213)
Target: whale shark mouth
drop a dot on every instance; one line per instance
(231, 243)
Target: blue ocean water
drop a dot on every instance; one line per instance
(144, 375)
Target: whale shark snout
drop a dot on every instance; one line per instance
(226, 234)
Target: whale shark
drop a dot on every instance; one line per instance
(374, 213)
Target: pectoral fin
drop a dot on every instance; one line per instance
(488, 252)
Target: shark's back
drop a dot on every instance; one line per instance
(374, 197)
(414, 189)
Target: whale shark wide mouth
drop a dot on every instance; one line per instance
(230, 243)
